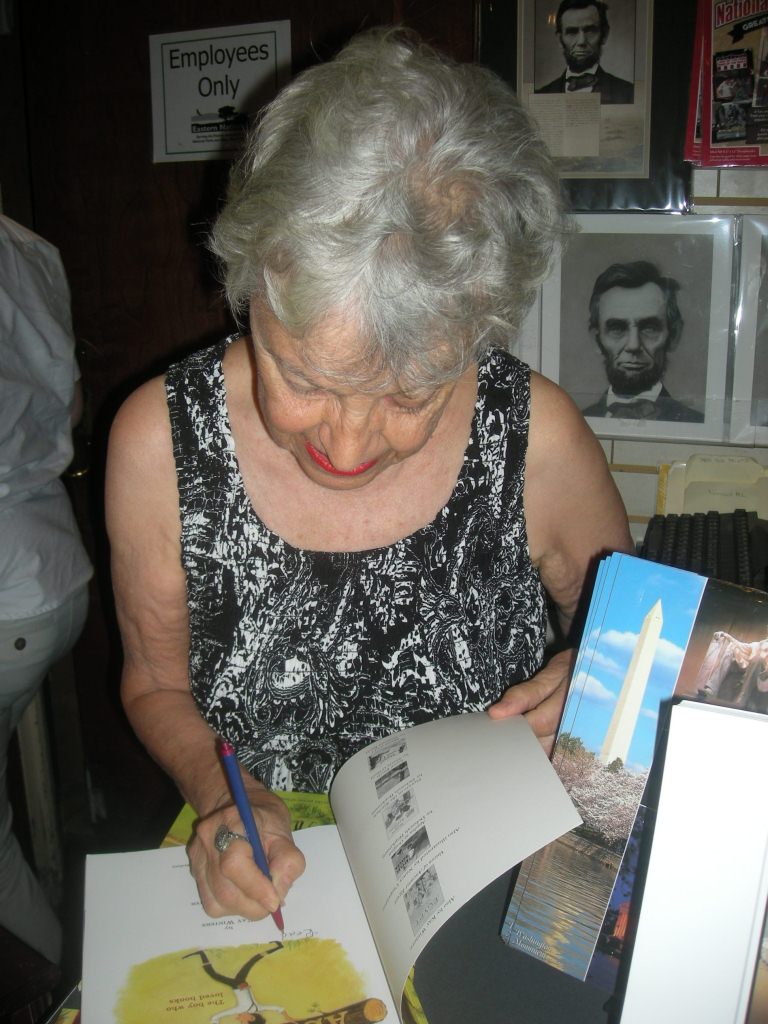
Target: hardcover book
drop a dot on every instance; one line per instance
(718, 829)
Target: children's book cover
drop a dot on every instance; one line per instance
(322, 970)
(298, 981)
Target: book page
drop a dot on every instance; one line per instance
(701, 918)
(433, 814)
(151, 953)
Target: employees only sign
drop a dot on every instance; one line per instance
(207, 84)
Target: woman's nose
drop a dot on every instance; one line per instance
(350, 438)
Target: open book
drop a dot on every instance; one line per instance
(426, 819)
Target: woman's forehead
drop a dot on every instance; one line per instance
(332, 355)
(334, 351)
(335, 338)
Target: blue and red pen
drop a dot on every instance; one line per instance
(242, 803)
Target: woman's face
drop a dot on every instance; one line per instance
(342, 437)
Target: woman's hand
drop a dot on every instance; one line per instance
(540, 699)
(230, 882)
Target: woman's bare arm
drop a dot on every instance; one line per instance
(150, 594)
(574, 516)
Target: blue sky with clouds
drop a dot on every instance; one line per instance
(625, 591)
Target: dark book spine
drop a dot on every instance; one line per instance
(743, 556)
(726, 569)
(670, 536)
(698, 542)
(758, 549)
(652, 542)
(682, 556)
(712, 556)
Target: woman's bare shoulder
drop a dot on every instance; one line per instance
(559, 437)
(143, 417)
(573, 509)
(141, 473)
(562, 449)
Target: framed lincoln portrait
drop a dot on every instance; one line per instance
(749, 407)
(607, 85)
(587, 81)
(635, 324)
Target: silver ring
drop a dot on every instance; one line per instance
(225, 836)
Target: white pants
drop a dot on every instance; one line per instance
(28, 648)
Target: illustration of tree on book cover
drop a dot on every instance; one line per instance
(297, 981)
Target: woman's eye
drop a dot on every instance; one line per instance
(301, 389)
(412, 406)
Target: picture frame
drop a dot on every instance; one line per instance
(749, 404)
(590, 134)
(660, 179)
(696, 254)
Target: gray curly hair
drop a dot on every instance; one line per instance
(400, 188)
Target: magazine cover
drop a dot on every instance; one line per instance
(735, 84)
(692, 145)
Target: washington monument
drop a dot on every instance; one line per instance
(622, 727)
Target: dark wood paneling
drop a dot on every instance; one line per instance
(447, 24)
(131, 231)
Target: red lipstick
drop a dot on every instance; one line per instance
(328, 466)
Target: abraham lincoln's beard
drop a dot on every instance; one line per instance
(578, 62)
(626, 384)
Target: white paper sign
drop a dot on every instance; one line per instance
(207, 84)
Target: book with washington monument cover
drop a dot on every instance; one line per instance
(425, 820)
(653, 633)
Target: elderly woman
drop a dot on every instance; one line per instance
(347, 520)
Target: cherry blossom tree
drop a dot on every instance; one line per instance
(606, 796)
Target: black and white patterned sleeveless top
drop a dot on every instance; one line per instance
(299, 658)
